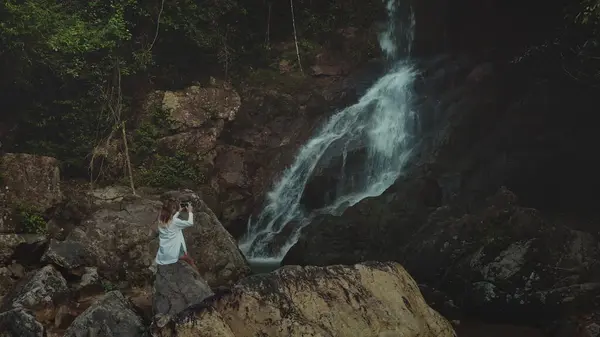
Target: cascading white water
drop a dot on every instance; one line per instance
(380, 123)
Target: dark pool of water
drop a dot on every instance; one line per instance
(263, 266)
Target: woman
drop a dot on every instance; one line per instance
(172, 246)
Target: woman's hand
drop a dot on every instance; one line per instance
(190, 208)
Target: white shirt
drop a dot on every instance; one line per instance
(171, 240)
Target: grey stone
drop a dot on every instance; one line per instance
(110, 316)
(176, 287)
(38, 290)
(19, 323)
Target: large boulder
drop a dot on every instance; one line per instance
(195, 106)
(120, 239)
(499, 260)
(110, 316)
(214, 250)
(40, 291)
(196, 116)
(506, 259)
(29, 184)
(177, 286)
(116, 238)
(370, 299)
(20, 323)
(31, 181)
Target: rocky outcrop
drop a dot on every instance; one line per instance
(500, 260)
(31, 181)
(110, 316)
(115, 238)
(20, 323)
(196, 118)
(7, 224)
(506, 259)
(11, 243)
(176, 287)
(214, 250)
(120, 239)
(239, 139)
(196, 106)
(40, 291)
(477, 121)
(30, 184)
(371, 299)
(6, 281)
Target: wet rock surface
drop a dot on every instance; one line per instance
(503, 261)
(241, 138)
(507, 260)
(372, 299)
(452, 224)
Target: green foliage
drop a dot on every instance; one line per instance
(271, 78)
(146, 135)
(318, 19)
(74, 132)
(170, 171)
(31, 222)
(108, 286)
(59, 58)
(588, 13)
(157, 169)
(61, 36)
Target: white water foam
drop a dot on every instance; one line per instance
(380, 123)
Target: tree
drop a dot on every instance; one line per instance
(295, 35)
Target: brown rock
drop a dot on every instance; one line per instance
(197, 141)
(327, 70)
(230, 167)
(116, 238)
(120, 239)
(370, 299)
(194, 106)
(31, 181)
(109, 159)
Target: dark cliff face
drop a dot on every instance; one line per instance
(526, 126)
(475, 25)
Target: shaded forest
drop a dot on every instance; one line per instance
(73, 71)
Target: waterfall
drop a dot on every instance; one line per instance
(380, 124)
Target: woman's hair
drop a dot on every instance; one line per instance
(167, 211)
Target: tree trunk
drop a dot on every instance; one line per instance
(295, 36)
